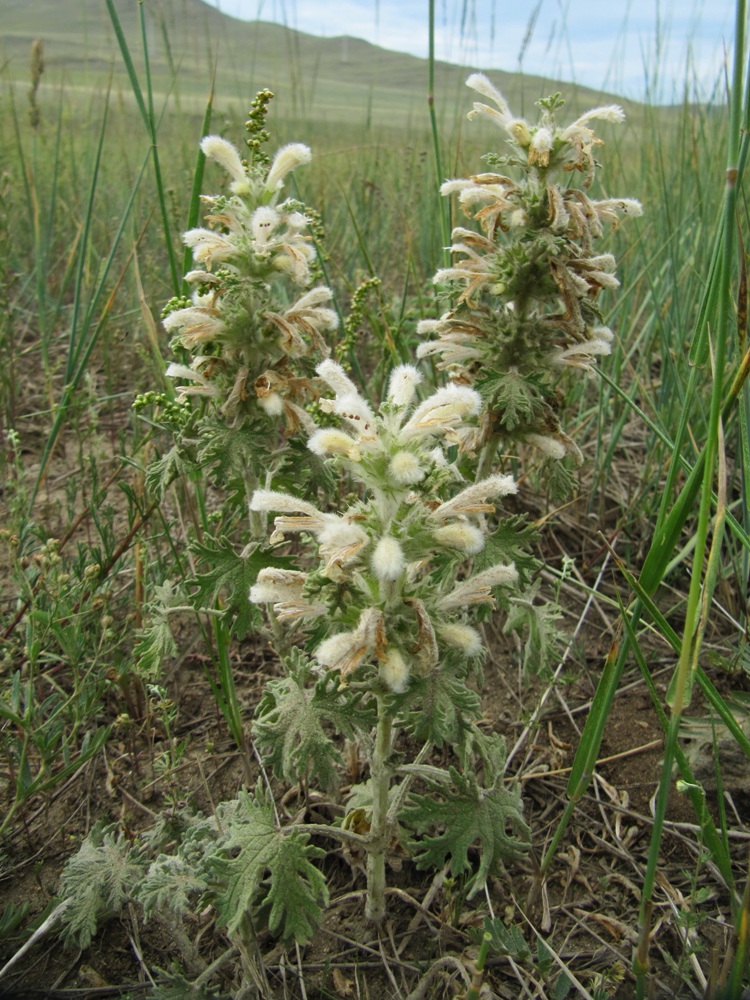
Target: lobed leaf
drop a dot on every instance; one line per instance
(466, 815)
(292, 723)
(260, 865)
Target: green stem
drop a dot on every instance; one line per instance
(380, 777)
(445, 224)
(487, 458)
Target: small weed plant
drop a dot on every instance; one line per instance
(376, 543)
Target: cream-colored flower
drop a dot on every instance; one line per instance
(262, 224)
(473, 500)
(478, 588)
(446, 408)
(287, 158)
(405, 469)
(388, 560)
(225, 154)
(581, 355)
(272, 500)
(540, 147)
(331, 441)
(402, 385)
(337, 378)
(275, 585)
(195, 325)
(463, 637)
(341, 540)
(547, 444)
(394, 671)
(208, 246)
(200, 385)
(345, 651)
(460, 535)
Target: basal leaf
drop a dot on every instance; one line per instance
(466, 814)
(96, 882)
(260, 865)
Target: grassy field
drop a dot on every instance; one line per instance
(132, 670)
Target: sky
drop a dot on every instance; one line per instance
(627, 47)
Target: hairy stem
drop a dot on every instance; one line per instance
(380, 777)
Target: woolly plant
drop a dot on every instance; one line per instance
(526, 287)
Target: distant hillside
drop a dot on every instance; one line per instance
(326, 79)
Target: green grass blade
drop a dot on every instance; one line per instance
(195, 191)
(81, 344)
(153, 133)
(127, 59)
(713, 841)
(149, 120)
(443, 203)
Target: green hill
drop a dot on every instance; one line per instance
(325, 79)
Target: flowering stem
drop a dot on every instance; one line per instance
(380, 776)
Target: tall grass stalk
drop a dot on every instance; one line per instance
(705, 562)
(150, 121)
(670, 521)
(444, 206)
(86, 323)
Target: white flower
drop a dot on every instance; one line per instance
(201, 386)
(394, 671)
(473, 500)
(336, 377)
(478, 588)
(608, 113)
(404, 469)
(274, 585)
(388, 559)
(224, 153)
(354, 409)
(480, 83)
(600, 333)
(262, 224)
(273, 404)
(331, 441)
(581, 355)
(549, 445)
(204, 277)
(443, 410)
(610, 209)
(403, 384)
(518, 129)
(194, 325)
(340, 540)
(287, 158)
(346, 650)
(208, 245)
(462, 536)
(305, 517)
(463, 637)
(271, 500)
(540, 147)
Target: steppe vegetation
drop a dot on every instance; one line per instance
(374, 563)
